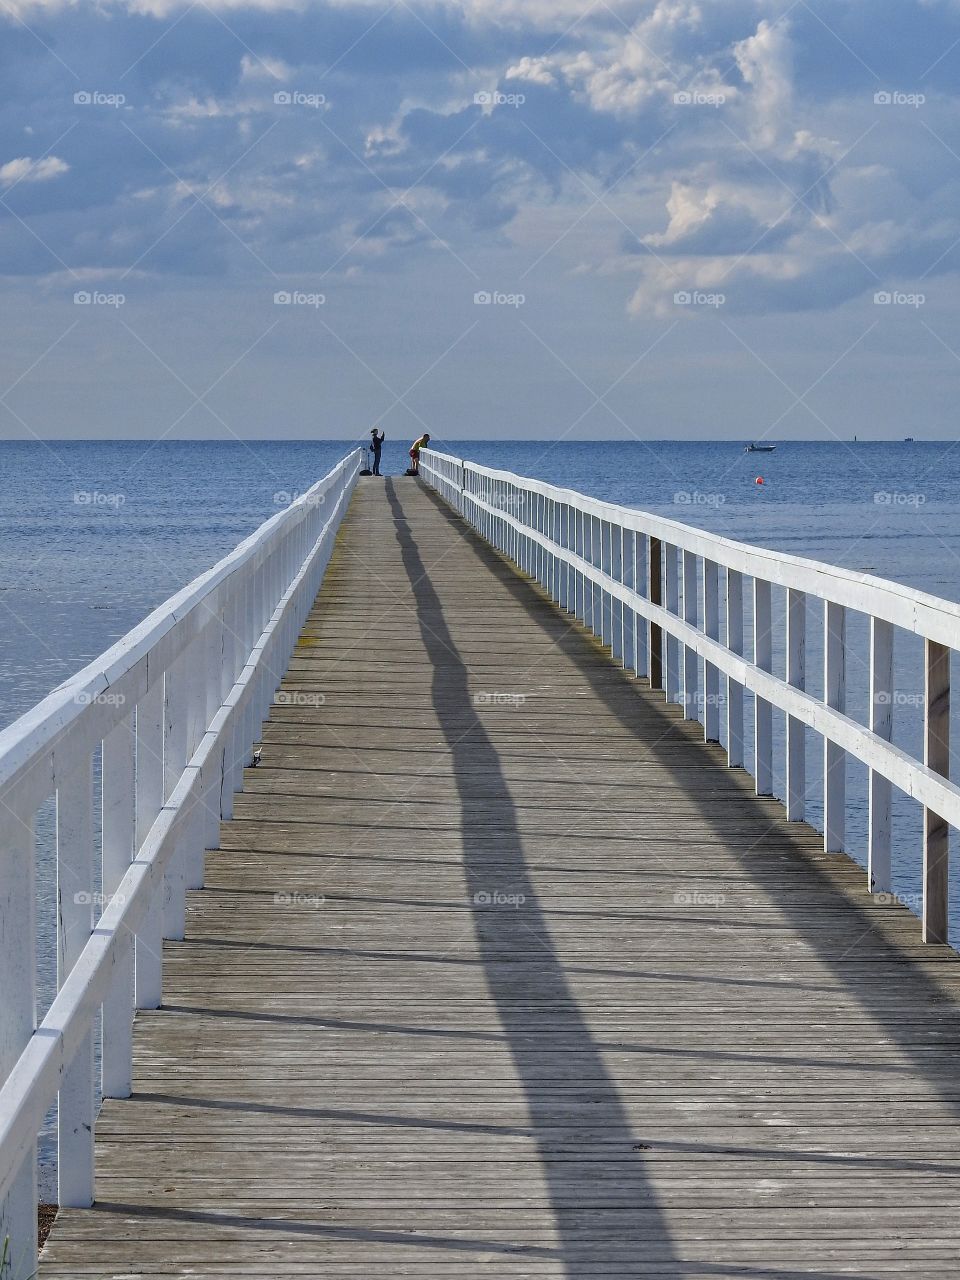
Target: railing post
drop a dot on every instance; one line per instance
(525, 551)
(734, 584)
(879, 879)
(18, 1210)
(117, 850)
(596, 595)
(508, 539)
(834, 757)
(796, 730)
(515, 541)
(711, 628)
(149, 940)
(546, 557)
(603, 564)
(655, 583)
(534, 545)
(936, 756)
(581, 594)
(563, 569)
(199, 675)
(559, 566)
(673, 605)
(628, 619)
(606, 599)
(214, 657)
(248, 632)
(175, 688)
(566, 541)
(641, 569)
(616, 605)
(691, 662)
(232, 666)
(763, 710)
(568, 578)
(75, 1105)
(531, 523)
(600, 618)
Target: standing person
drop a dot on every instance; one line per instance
(376, 444)
(415, 453)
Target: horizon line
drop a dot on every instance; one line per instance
(615, 440)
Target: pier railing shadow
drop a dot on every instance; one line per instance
(494, 861)
(652, 714)
(636, 708)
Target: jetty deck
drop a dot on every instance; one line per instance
(500, 970)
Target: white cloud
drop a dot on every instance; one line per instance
(264, 68)
(533, 70)
(688, 210)
(25, 169)
(601, 115)
(765, 60)
(624, 70)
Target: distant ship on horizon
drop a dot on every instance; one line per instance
(754, 447)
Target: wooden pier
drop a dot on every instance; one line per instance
(500, 970)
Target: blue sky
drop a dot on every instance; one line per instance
(484, 218)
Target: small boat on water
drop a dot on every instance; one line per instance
(754, 447)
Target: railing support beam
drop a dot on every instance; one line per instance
(734, 584)
(711, 627)
(75, 1107)
(936, 756)
(691, 663)
(834, 757)
(879, 879)
(118, 843)
(763, 710)
(655, 586)
(18, 1209)
(796, 779)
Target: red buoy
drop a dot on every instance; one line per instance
(759, 479)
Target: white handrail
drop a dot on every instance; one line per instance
(651, 588)
(176, 705)
(916, 611)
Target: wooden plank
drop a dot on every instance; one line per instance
(499, 966)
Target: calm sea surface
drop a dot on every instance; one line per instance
(94, 535)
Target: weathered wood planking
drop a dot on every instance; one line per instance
(499, 970)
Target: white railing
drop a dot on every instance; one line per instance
(169, 714)
(656, 590)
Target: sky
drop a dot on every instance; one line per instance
(483, 218)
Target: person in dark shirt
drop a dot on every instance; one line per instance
(376, 444)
